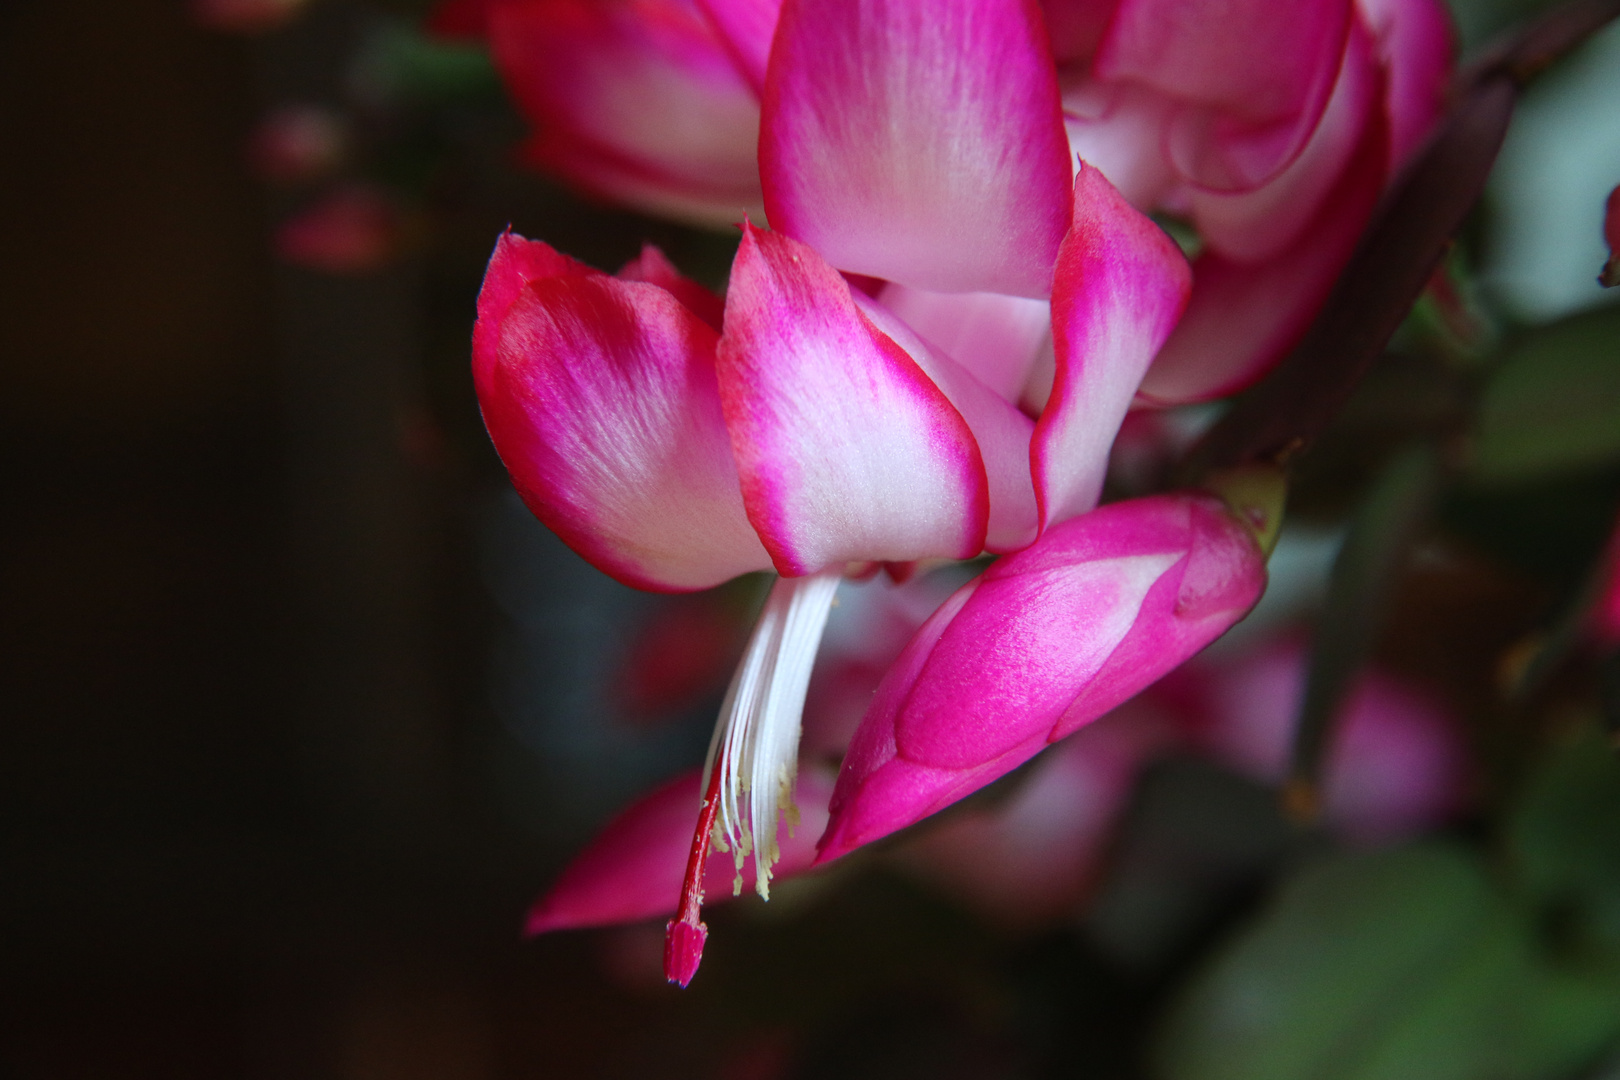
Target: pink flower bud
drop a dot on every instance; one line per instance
(1042, 643)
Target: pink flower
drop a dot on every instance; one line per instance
(815, 433)
(1397, 765)
(815, 429)
(352, 230)
(1033, 858)
(1269, 128)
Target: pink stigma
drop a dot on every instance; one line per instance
(685, 934)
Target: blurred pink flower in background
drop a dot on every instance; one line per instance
(1397, 765)
(353, 229)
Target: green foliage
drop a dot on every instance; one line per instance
(1564, 844)
(1552, 404)
(1422, 962)
(401, 66)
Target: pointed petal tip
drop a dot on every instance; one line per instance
(683, 950)
(835, 843)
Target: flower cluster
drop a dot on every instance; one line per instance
(1269, 129)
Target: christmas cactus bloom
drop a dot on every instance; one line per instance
(1041, 644)
(816, 434)
(925, 145)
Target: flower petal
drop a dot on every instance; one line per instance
(1117, 129)
(1077, 26)
(637, 101)
(515, 262)
(654, 268)
(1042, 643)
(922, 143)
(633, 869)
(1121, 284)
(995, 336)
(1252, 226)
(602, 402)
(1001, 431)
(1251, 79)
(1242, 319)
(746, 27)
(1417, 43)
(846, 450)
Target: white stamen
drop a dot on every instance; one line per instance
(756, 740)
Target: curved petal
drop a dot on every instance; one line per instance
(654, 268)
(513, 264)
(1001, 431)
(1042, 643)
(1251, 79)
(846, 450)
(746, 27)
(633, 869)
(922, 143)
(1076, 27)
(995, 336)
(1418, 46)
(603, 405)
(1118, 129)
(1121, 284)
(1252, 226)
(1242, 319)
(639, 102)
